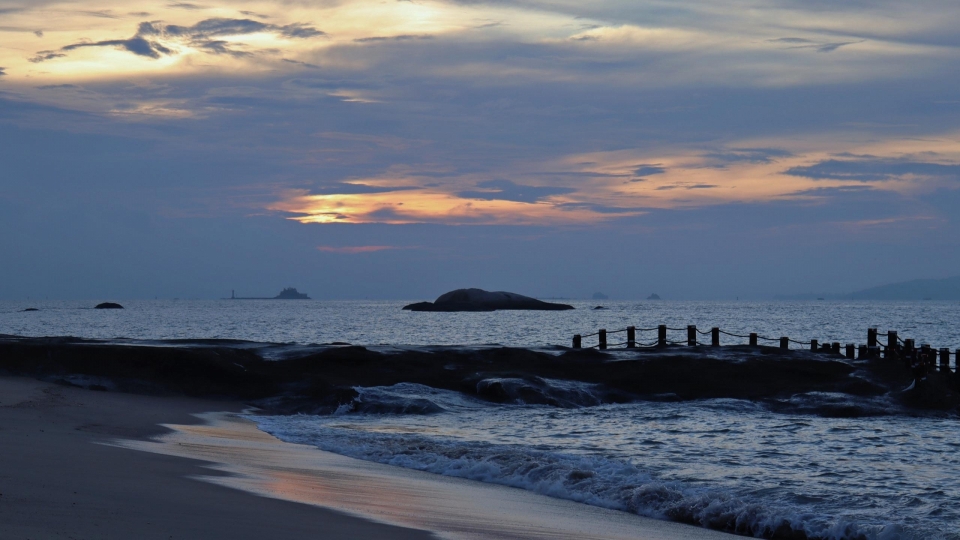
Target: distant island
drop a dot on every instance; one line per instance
(917, 289)
(289, 293)
(481, 300)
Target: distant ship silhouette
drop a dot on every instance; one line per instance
(289, 293)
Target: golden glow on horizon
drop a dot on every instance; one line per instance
(606, 187)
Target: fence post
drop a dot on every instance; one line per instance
(871, 337)
(715, 337)
(662, 335)
(784, 343)
(862, 353)
(891, 350)
(873, 352)
(753, 339)
(631, 337)
(925, 354)
(850, 351)
(945, 360)
(836, 347)
(956, 362)
(603, 339)
(813, 345)
(576, 341)
(691, 335)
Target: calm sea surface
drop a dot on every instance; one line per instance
(724, 464)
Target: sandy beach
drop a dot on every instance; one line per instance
(87, 464)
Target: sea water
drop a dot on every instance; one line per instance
(724, 464)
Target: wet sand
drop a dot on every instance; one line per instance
(85, 464)
(57, 479)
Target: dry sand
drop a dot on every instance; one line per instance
(83, 464)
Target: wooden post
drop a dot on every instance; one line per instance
(715, 337)
(891, 350)
(753, 339)
(873, 352)
(662, 335)
(908, 346)
(631, 337)
(862, 353)
(784, 343)
(956, 361)
(925, 354)
(945, 360)
(850, 351)
(576, 341)
(603, 339)
(871, 337)
(691, 335)
(813, 345)
(836, 347)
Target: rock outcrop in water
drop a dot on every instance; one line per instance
(481, 300)
(109, 305)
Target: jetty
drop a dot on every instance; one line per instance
(923, 359)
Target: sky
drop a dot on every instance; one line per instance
(399, 149)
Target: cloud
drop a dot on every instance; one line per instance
(56, 86)
(505, 190)
(821, 47)
(403, 37)
(357, 249)
(746, 155)
(153, 39)
(3, 71)
(186, 5)
(38, 33)
(649, 170)
(874, 169)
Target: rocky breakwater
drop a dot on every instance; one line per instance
(481, 300)
(327, 378)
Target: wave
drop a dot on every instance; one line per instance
(593, 480)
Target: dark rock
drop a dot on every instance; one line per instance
(654, 296)
(109, 305)
(599, 307)
(480, 300)
(29, 309)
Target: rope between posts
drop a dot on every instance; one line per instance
(675, 329)
(704, 332)
(734, 335)
(798, 342)
(767, 338)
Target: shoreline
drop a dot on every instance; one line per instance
(62, 477)
(87, 463)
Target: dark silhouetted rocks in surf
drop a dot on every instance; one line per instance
(654, 296)
(109, 305)
(481, 300)
(600, 296)
(29, 309)
(599, 307)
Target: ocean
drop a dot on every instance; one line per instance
(755, 468)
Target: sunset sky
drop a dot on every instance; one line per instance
(399, 149)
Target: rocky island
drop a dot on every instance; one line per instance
(481, 300)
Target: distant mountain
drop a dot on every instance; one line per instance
(918, 289)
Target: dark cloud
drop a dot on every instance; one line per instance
(746, 155)
(505, 190)
(649, 170)
(299, 63)
(872, 169)
(404, 37)
(38, 33)
(202, 35)
(103, 14)
(186, 5)
(802, 43)
(3, 71)
(343, 188)
(254, 14)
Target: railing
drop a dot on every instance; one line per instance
(895, 348)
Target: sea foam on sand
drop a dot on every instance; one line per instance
(451, 507)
